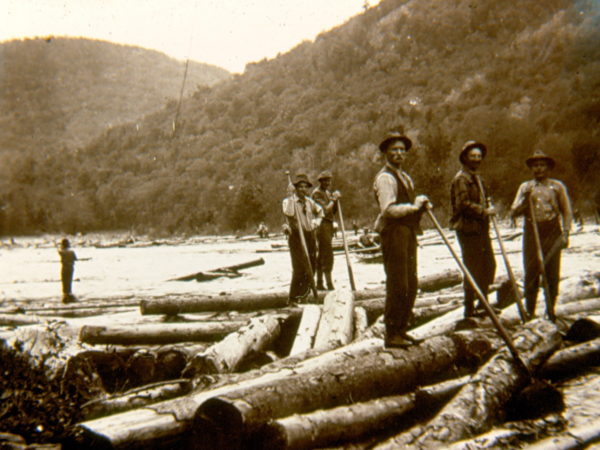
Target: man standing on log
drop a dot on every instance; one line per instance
(67, 261)
(470, 220)
(398, 221)
(311, 215)
(327, 200)
(553, 215)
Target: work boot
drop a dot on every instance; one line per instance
(329, 281)
(320, 285)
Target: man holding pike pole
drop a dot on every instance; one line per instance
(400, 212)
(546, 207)
(303, 216)
(471, 221)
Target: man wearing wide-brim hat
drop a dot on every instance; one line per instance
(310, 215)
(470, 220)
(328, 201)
(400, 211)
(552, 214)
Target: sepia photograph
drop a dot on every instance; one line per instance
(274, 224)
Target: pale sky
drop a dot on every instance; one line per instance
(226, 33)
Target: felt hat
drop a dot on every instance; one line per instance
(325, 174)
(299, 178)
(393, 137)
(539, 155)
(468, 146)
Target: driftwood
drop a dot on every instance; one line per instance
(348, 423)
(226, 355)
(337, 320)
(241, 412)
(305, 335)
(228, 271)
(164, 333)
(480, 404)
(254, 302)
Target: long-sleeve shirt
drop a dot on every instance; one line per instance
(311, 213)
(468, 194)
(323, 199)
(550, 200)
(386, 192)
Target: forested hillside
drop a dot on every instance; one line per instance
(62, 92)
(516, 75)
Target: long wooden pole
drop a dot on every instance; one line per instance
(308, 263)
(350, 273)
(540, 258)
(484, 302)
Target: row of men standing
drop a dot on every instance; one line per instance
(544, 203)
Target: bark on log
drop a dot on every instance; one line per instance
(241, 412)
(202, 276)
(254, 302)
(168, 421)
(166, 333)
(348, 423)
(307, 329)
(226, 355)
(336, 325)
(480, 404)
(573, 438)
(361, 322)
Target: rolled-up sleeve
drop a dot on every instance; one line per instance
(386, 192)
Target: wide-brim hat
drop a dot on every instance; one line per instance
(301, 178)
(324, 175)
(539, 155)
(468, 146)
(393, 137)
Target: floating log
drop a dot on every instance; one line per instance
(241, 412)
(348, 423)
(164, 333)
(168, 421)
(336, 324)
(226, 355)
(480, 404)
(17, 320)
(573, 359)
(577, 288)
(305, 336)
(254, 302)
(221, 271)
(135, 398)
(573, 438)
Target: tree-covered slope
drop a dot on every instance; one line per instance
(516, 75)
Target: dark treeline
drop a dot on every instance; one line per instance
(517, 76)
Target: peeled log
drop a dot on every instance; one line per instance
(361, 322)
(481, 403)
(348, 423)
(226, 355)
(311, 314)
(164, 333)
(337, 320)
(572, 359)
(235, 414)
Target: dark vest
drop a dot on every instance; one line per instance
(404, 195)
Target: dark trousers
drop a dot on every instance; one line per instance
(66, 276)
(550, 237)
(325, 251)
(478, 257)
(399, 247)
(301, 279)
